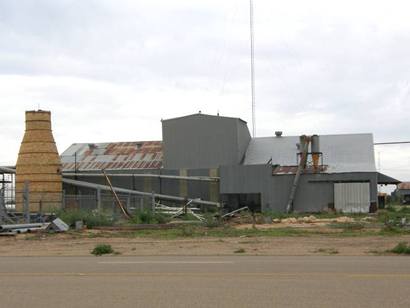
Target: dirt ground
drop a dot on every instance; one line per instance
(81, 245)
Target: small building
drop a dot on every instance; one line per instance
(256, 172)
(403, 192)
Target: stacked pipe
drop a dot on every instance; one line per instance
(39, 165)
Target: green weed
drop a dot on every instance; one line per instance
(240, 250)
(401, 248)
(149, 217)
(330, 251)
(102, 249)
(90, 218)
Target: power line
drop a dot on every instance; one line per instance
(393, 142)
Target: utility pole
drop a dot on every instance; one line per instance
(252, 68)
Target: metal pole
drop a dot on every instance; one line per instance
(304, 143)
(99, 200)
(144, 175)
(2, 208)
(128, 203)
(63, 200)
(252, 68)
(26, 202)
(123, 210)
(153, 201)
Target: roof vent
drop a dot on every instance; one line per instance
(278, 133)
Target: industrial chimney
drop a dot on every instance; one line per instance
(39, 164)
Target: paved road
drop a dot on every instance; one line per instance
(237, 281)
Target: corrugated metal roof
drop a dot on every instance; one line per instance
(341, 153)
(113, 156)
(404, 186)
(385, 179)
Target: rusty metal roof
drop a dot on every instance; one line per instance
(113, 156)
(404, 186)
(277, 170)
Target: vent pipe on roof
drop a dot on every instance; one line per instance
(278, 133)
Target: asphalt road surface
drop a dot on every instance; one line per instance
(229, 281)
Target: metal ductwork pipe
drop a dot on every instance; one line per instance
(315, 149)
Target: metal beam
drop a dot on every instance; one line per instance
(148, 175)
(139, 193)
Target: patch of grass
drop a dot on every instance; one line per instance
(401, 248)
(347, 226)
(211, 221)
(329, 251)
(102, 249)
(188, 217)
(187, 230)
(218, 232)
(149, 217)
(240, 250)
(319, 215)
(90, 218)
(393, 216)
(226, 231)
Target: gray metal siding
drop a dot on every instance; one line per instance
(202, 141)
(244, 138)
(315, 192)
(247, 180)
(352, 197)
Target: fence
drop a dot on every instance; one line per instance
(29, 205)
(105, 202)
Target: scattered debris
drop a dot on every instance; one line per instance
(23, 228)
(57, 225)
(343, 219)
(79, 225)
(231, 214)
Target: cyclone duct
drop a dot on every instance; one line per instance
(315, 148)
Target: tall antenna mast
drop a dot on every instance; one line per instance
(252, 68)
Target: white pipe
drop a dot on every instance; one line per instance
(148, 175)
(135, 192)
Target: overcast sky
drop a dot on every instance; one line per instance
(109, 70)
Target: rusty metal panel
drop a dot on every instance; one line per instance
(278, 170)
(113, 156)
(352, 197)
(404, 186)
